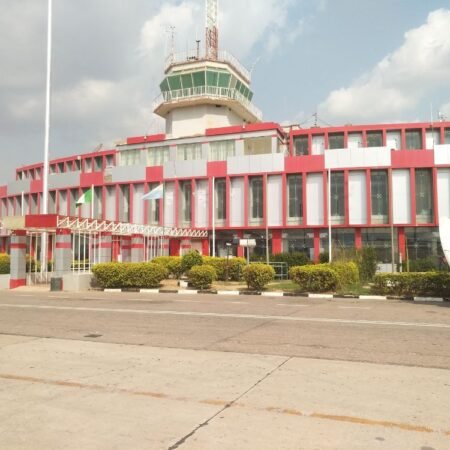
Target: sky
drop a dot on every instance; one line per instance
(351, 61)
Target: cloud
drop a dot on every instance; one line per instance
(399, 82)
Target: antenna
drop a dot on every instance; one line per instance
(212, 29)
(171, 31)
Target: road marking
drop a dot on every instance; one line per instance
(25, 295)
(292, 305)
(354, 307)
(230, 316)
(222, 402)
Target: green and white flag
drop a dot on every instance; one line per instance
(85, 198)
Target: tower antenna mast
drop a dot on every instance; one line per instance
(212, 29)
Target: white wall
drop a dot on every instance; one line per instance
(110, 203)
(201, 204)
(314, 199)
(443, 188)
(275, 200)
(401, 194)
(357, 193)
(237, 202)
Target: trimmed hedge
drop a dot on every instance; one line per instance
(191, 259)
(258, 275)
(235, 267)
(175, 267)
(318, 278)
(202, 277)
(430, 284)
(129, 275)
(163, 260)
(347, 272)
(5, 264)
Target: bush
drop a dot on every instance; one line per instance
(191, 259)
(129, 275)
(292, 259)
(424, 265)
(319, 278)
(324, 258)
(163, 260)
(175, 268)
(433, 284)
(258, 275)
(5, 263)
(366, 260)
(201, 277)
(235, 266)
(347, 272)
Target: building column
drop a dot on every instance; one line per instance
(125, 248)
(358, 238)
(205, 247)
(174, 247)
(316, 245)
(277, 242)
(137, 248)
(402, 243)
(105, 248)
(115, 247)
(240, 249)
(18, 250)
(185, 245)
(63, 252)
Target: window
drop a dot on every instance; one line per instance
(98, 163)
(88, 165)
(157, 156)
(188, 152)
(380, 240)
(424, 196)
(432, 139)
(337, 197)
(299, 241)
(220, 188)
(60, 167)
(186, 202)
(394, 140)
(374, 139)
(77, 164)
(124, 203)
(379, 196)
(301, 146)
(355, 140)
(447, 136)
(256, 199)
(153, 207)
(221, 150)
(424, 242)
(413, 139)
(318, 144)
(258, 146)
(295, 198)
(109, 160)
(335, 140)
(130, 157)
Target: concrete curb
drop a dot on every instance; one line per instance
(283, 294)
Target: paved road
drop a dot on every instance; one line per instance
(168, 371)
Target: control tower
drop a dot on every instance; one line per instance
(209, 89)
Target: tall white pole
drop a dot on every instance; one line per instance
(330, 257)
(213, 204)
(267, 221)
(44, 209)
(92, 201)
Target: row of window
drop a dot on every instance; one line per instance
(413, 139)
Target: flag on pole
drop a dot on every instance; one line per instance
(155, 194)
(85, 198)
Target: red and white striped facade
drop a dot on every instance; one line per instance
(271, 155)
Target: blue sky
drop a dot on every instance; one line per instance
(351, 61)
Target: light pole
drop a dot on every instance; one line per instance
(227, 272)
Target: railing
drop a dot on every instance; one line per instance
(223, 56)
(208, 91)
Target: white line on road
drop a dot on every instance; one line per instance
(292, 305)
(232, 316)
(354, 307)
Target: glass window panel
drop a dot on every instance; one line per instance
(295, 198)
(186, 202)
(175, 82)
(164, 86)
(318, 144)
(212, 78)
(374, 139)
(424, 243)
(186, 80)
(393, 139)
(424, 196)
(153, 210)
(157, 156)
(432, 139)
(299, 241)
(221, 150)
(189, 152)
(337, 196)
(355, 140)
(447, 136)
(224, 80)
(380, 240)
(379, 196)
(258, 146)
(413, 139)
(256, 198)
(336, 140)
(199, 79)
(221, 199)
(301, 145)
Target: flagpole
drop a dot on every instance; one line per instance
(47, 134)
(92, 201)
(267, 222)
(213, 217)
(330, 255)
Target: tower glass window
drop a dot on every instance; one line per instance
(301, 146)
(256, 199)
(424, 196)
(337, 197)
(413, 139)
(379, 196)
(295, 198)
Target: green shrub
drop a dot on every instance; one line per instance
(5, 263)
(191, 259)
(347, 272)
(324, 258)
(318, 278)
(422, 265)
(258, 275)
(219, 265)
(235, 266)
(292, 259)
(201, 277)
(164, 260)
(432, 284)
(175, 268)
(366, 260)
(129, 275)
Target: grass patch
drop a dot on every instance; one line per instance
(356, 289)
(285, 285)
